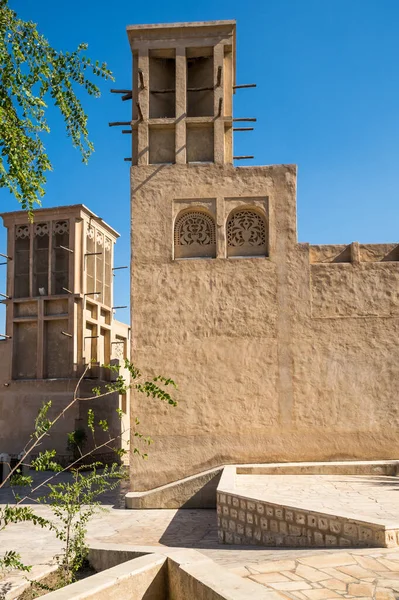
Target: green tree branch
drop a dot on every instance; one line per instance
(31, 74)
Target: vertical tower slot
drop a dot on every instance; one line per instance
(162, 66)
(200, 82)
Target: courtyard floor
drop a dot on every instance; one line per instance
(306, 574)
(373, 498)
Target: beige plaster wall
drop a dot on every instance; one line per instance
(20, 402)
(277, 359)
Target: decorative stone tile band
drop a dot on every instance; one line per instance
(247, 521)
(243, 521)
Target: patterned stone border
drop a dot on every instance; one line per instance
(250, 521)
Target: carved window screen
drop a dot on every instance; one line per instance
(246, 233)
(119, 348)
(195, 235)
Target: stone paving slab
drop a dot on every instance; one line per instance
(372, 498)
(335, 575)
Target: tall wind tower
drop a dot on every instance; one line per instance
(277, 346)
(194, 314)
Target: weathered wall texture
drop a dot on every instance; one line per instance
(21, 401)
(292, 357)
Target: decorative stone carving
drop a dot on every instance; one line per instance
(99, 238)
(107, 244)
(90, 232)
(61, 227)
(195, 235)
(118, 350)
(246, 234)
(22, 232)
(41, 229)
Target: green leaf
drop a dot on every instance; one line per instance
(90, 419)
(32, 74)
(20, 480)
(104, 424)
(12, 560)
(42, 423)
(44, 462)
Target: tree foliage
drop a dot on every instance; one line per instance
(73, 502)
(32, 73)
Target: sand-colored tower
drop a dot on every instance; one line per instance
(268, 339)
(182, 92)
(59, 320)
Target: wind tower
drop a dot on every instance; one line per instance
(59, 321)
(193, 215)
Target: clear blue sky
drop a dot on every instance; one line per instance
(327, 99)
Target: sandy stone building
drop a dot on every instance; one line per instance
(283, 351)
(59, 318)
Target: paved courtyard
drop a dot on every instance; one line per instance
(301, 574)
(373, 498)
(361, 574)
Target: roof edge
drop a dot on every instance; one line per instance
(139, 27)
(82, 207)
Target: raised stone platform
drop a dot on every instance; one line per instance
(341, 509)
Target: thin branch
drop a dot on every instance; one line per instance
(71, 465)
(37, 441)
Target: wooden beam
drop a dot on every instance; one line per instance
(245, 85)
(251, 120)
(118, 123)
(201, 89)
(165, 91)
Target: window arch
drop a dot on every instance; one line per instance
(195, 235)
(246, 233)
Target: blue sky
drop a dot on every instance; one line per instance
(327, 99)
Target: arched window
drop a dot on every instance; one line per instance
(194, 235)
(246, 233)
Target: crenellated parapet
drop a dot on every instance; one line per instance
(353, 253)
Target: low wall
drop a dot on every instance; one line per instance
(166, 575)
(143, 578)
(197, 491)
(350, 467)
(249, 521)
